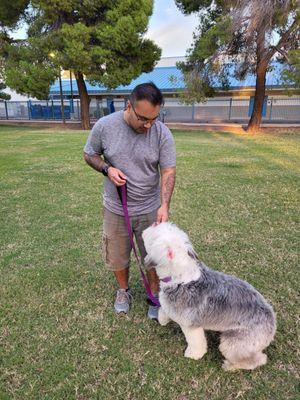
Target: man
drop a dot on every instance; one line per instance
(138, 150)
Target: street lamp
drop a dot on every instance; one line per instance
(53, 56)
(71, 83)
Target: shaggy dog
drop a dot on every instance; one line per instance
(198, 299)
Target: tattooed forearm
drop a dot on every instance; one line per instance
(95, 162)
(167, 185)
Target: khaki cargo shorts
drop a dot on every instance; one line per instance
(116, 247)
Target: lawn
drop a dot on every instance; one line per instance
(236, 196)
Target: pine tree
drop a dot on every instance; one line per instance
(101, 41)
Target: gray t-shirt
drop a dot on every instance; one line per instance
(137, 155)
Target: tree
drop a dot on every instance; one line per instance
(248, 33)
(10, 14)
(291, 74)
(3, 95)
(99, 40)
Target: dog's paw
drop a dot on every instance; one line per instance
(228, 366)
(194, 354)
(163, 319)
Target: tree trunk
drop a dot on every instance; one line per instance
(262, 61)
(260, 91)
(84, 101)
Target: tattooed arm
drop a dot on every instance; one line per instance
(167, 187)
(115, 175)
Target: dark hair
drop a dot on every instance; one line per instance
(147, 91)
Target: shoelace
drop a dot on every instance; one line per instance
(123, 296)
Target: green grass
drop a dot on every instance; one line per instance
(236, 196)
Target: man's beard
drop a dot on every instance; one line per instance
(142, 130)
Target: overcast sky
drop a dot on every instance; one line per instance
(168, 27)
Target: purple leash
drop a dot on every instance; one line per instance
(122, 191)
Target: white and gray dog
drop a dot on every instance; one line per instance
(198, 299)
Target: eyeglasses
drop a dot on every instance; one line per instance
(143, 119)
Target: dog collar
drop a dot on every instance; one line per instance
(166, 279)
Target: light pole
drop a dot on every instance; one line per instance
(53, 56)
(71, 83)
(61, 99)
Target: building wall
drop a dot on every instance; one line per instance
(15, 96)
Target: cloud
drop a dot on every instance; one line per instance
(171, 30)
(174, 37)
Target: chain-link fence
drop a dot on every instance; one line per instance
(219, 109)
(231, 109)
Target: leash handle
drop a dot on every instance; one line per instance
(122, 191)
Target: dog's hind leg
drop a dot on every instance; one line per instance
(241, 351)
(251, 362)
(196, 341)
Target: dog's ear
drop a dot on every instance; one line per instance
(193, 255)
(170, 253)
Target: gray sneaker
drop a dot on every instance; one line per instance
(152, 310)
(123, 301)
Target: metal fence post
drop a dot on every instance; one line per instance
(271, 109)
(193, 112)
(6, 113)
(98, 108)
(78, 114)
(29, 109)
(230, 107)
(47, 108)
(52, 105)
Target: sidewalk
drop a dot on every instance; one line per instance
(233, 127)
(43, 123)
(208, 126)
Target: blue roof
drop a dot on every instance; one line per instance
(168, 79)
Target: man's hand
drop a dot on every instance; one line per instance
(162, 214)
(116, 176)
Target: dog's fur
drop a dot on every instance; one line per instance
(199, 299)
